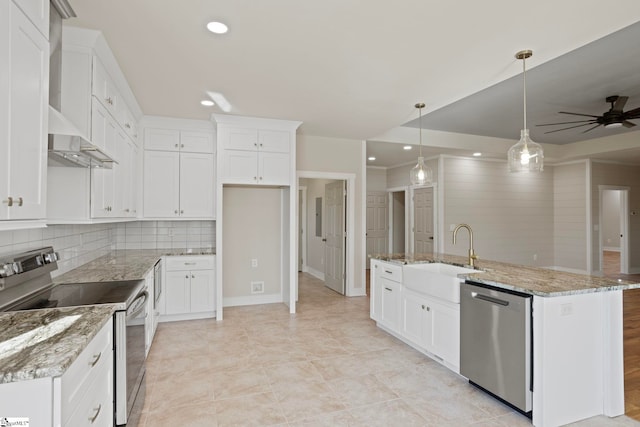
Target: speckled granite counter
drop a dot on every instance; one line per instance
(124, 265)
(44, 343)
(532, 280)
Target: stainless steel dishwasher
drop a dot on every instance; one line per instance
(496, 343)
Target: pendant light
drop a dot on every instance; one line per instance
(420, 174)
(526, 155)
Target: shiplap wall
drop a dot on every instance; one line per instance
(570, 216)
(511, 214)
(617, 175)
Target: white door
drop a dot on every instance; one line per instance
(334, 195)
(423, 220)
(377, 223)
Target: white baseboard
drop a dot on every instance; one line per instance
(611, 248)
(187, 316)
(252, 300)
(566, 270)
(359, 293)
(315, 273)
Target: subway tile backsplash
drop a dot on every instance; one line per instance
(81, 243)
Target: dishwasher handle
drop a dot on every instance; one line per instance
(489, 298)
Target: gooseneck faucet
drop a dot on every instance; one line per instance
(472, 254)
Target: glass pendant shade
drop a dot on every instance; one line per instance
(526, 155)
(421, 174)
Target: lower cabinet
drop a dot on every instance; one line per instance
(390, 303)
(82, 396)
(189, 287)
(151, 323)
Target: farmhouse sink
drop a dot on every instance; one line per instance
(435, 279)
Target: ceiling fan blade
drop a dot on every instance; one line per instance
(619, 105)
(567, 123)
(628, 124)
(577, 114)
(632, 114)
(592, 128)
(571, 127)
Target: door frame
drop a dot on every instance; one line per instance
(407, 205)
(436, 234)
(350, 264)
(302, 228)
(624, 225)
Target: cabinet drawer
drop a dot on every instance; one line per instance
(77, 381)
(391, 272)
(181, 263)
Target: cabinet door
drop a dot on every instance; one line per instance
(28, 112)
(274, 168)
(196, 142)
(376, 291)
(121, 175)
(161, 184)
(5, 107)
(202, 291)
(240, 167)
(276, 141)
(415, 317)
(390, 316)
(445, 332)
(38, 13)
(161, 139)
(196, 185)
(177, 292)
(103, 88)
(103, 128)
(239, 138)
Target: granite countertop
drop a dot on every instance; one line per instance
(124, 265)
(531, 280)
(44, 343)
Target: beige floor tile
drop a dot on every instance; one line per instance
(334, 419)
(228, 384)
(393, 413)
(255, 410)
(306, 399)
(173, 390)
(359, 391)
(199, 415)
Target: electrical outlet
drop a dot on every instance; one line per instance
(257, 287)
(254, 262)
(535, 257)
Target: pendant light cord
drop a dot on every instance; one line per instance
(420, 148)
(524, 89)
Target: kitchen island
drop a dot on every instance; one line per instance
(577, 330)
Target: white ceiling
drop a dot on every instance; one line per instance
(345, 68)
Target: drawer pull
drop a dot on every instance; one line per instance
(389, 289)
(190, 263)
(95, 360)
(95, 417)
(388, 272)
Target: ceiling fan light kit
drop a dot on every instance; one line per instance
(420, 174)
(525, 155)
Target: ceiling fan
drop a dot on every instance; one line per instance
(613, 118)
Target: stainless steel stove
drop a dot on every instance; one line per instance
(26, 284)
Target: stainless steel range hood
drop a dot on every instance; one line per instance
(67, 145)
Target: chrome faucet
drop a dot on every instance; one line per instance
(472, 254)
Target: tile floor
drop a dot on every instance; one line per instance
(327, 365)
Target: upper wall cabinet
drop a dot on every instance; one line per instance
(179, 169)
(38, 13)
(24, 99)
(256, 151)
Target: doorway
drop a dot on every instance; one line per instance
(398, 220)
(302, 227)
(614, 230)
(377, 223)
(423, 220)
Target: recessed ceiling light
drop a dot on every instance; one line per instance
(477, 154)
(217, 27)
(407, 147)
(372, 158)
(207, 103)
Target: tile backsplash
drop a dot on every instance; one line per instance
(81, 243)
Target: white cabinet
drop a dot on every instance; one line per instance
(390, 296)
(256, 156)
(432, 325)
(189, 287)
(38, 13)
(83, 393)
(385, 294)
(24, 72)
(151, 321)
(178, 183)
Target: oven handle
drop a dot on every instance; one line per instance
(136, 306)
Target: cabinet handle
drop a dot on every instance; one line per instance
(19, 201)
(255, 144)
(186, 277)
(8, 201)
(126, 210)
(176, 145)
(95, 360)
(376, 266)
(176, 212)
(127, 125)
(260, 178)
(255, 178)
(181, 145)
(389, 289)
(181, 211)
(193, 277)
(260, 144)
(95, 417)
(190, 263)
(388, 272)
(423, 306)
(428, 308)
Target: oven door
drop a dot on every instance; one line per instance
(157, 284)
(130, 357)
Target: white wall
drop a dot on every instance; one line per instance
(315, 245)
(399, 176)
(511, 214)
(376, 179)
(251, 230)
(322, 154)
(611, 220)
(570, 216)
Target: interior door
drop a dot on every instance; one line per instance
(423, 220)
(334, 195)
(377, 223)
